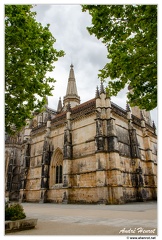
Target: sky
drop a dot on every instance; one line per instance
(68, 25)
(88, 54)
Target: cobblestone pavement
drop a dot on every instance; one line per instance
(70, 219)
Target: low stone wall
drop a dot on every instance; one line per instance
(19, 225)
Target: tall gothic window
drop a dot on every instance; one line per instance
(56, 168)
(59, 174)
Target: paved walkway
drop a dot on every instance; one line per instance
(70, 219)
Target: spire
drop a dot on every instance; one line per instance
(71, 92)
(97, 93)
(102, 90)
(71, 88)
(59, 107)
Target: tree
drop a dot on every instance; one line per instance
(29, 55)
(130, 35)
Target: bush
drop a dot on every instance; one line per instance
(14, 212)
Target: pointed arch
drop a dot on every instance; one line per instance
(56, 168)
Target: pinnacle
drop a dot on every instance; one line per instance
(128, 107)
(59, 108)
(102, 90)
(97, 93)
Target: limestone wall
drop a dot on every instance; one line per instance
(88, 195)
(108, 158)
(32, 195)
(57, 137)
(56, 195)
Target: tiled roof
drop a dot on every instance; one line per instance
(83, 109)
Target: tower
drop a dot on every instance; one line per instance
(71, 96)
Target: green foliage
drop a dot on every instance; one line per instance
(130, 35)
(14, 212)
(29, 55)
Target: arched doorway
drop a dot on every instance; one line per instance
(56, 168)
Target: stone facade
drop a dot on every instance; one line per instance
(94, 152)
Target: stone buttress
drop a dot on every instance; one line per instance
(48, 149)
(67, 155)
(108, 172)
(150, 178)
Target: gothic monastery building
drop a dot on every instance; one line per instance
(94, 152)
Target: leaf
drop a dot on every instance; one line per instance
(29, 55)
(130, 35)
